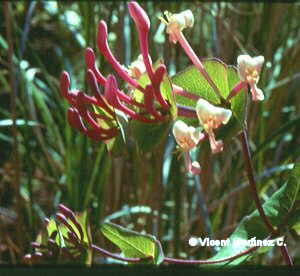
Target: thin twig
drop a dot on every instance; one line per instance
(203, 208)
(186, 111)
(182, 261)
(114, 256)
(252, 181)
(285, 254)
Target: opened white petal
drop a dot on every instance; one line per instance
(208, 113)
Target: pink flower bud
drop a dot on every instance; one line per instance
(75, 120)
(90, 63)
(103, 47)
(64, 84)
(139, 16)
(110, 91)
(159, 74)
(102, 36)
(192, 167)
(90, 57)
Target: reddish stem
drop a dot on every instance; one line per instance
(186, 111)
(285, 254)
(252, 182)
(114, 256)
(191, 54)
(182, 261)
(239, 86)
(180, 91)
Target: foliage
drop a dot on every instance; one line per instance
(142, 184)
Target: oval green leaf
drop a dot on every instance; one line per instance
(133, 244)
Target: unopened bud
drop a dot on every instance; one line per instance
(139, 16)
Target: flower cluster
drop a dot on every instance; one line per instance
(51, 250)
(94, 115)
(187, 137)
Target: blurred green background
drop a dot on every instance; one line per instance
(44, 162)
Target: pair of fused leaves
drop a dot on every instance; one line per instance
(281, 209)
(225, 78)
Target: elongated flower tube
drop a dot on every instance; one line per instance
(75, 120)
(142, 23)
(211, 117)
(249, 69)
(90, 61)
(139, 16)
(110, 92)
(103, 47)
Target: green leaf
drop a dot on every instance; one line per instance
(193, 81)
(148, 136)
(167, 93)
(225, 78)
(117, 145)
(279, 208)
(133, 244)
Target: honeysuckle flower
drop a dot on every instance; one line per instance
(249, 69)
(187, 137)
(177, 22)
(211, 117)
(84, 113)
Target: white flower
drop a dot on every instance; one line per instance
(211, 117)
(137, 67)
(177, 22)
(187, 137)
(249, 69)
